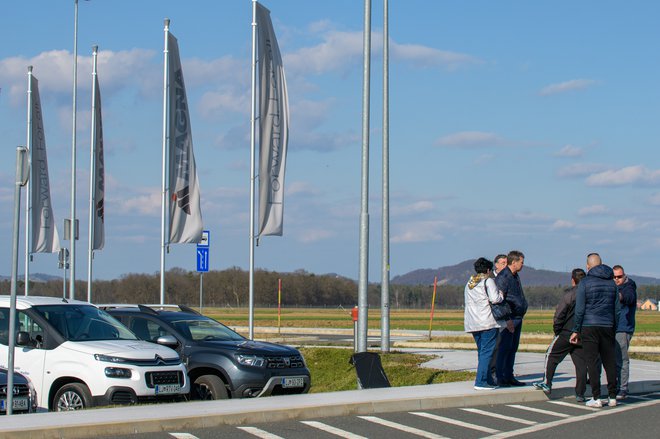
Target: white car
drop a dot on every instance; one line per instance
(78, 356)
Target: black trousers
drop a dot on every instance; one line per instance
(557, 351)
(599, 341)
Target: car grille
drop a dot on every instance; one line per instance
(123, 397)
(21, 389)
(168, 377)
(156, 361)
(285, 362)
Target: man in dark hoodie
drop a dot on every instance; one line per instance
(509, 284)
(560, 346)
(596, 304)
(625, 328)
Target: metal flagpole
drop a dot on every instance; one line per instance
(28, 190)
(385, 265)
(72, 223)
(164, 198)
(252, 170)
(92, 177)
(363, 304)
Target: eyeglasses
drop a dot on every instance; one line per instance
(619, 277)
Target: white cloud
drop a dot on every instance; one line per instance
(628, 225)
(655, 199)
(566, 86)
(420, 206)
(580, 170)
(596, 209)
(419, 231)
(314, 235)
(624, 176)
(148, 203)
(569, 151)
(301, 188)
(425, 56)
(469, 139)
(562, 224)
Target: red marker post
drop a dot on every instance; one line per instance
(435, 286)
(354, 313)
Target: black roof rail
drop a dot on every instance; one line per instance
(188, 309)
(147, 310)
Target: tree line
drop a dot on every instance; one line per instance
(229, 288)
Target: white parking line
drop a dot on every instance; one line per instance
(535, 410)
(183, 435)
(499, 416)
(539, 427)
(455, 422)
(259, 433)
(401, 427)
(574, 405)
(333, 430)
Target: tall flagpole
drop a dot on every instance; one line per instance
(92, 177)
(385, 251)
(252, 169)
(363, 304)
(72, 223)
(28, 189)
(164, 199)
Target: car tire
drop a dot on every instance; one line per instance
(72, 396)
(209, 387)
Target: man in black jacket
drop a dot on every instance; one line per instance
(561, 346)
(625, 328)
(509, 284)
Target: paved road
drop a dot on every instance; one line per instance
(636, 418)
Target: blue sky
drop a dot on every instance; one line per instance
(513, 125)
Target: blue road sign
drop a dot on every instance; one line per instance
(202, 259)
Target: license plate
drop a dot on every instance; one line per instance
(167, 389)
(293, 382)
(19, 404)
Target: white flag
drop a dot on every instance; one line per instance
(273, 128)
(99, 173)
(44, 233)
(185, 212)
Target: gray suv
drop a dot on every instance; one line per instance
(221, 363)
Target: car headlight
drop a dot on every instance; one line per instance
(109, 358)
(117, 372)
(251, 360)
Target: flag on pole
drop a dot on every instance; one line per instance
(44, 233)
(99, 174)
(273, 127)
(185, 211)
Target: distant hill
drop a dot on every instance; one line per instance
(35, 277)
(458, 275)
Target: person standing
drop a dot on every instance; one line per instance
(561, 346)
(498, 265)
(509, 284)
(480, 291)
(596, 305)
(625, 328)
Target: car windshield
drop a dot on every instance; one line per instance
(84, 323)
(205, 329)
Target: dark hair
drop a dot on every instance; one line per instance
(514, 256)
(482, 265)
(618, 267)
(577, 275)
(498, 257)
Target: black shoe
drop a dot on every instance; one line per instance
(516, 383)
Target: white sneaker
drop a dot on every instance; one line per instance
(611, 402)
(486, 387)
(594, 403)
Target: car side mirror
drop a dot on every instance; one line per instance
(22, 338)
(167, 340)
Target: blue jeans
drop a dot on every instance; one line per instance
(506, 353)
(485, 348)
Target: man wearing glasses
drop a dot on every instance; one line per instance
(627, 290)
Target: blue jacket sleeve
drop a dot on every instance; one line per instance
(580, 300)
(628, 294)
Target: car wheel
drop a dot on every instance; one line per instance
(209, 387)
(73, 396)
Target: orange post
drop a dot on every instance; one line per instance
(435, 286)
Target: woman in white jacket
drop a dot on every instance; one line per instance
(479, 291)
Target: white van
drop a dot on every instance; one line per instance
(78, 356)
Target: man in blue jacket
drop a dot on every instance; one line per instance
(627, 290)
(596, 305)
(509, 284)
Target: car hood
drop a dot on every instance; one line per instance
(18, 378)
(130, 349)
(251, 347)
